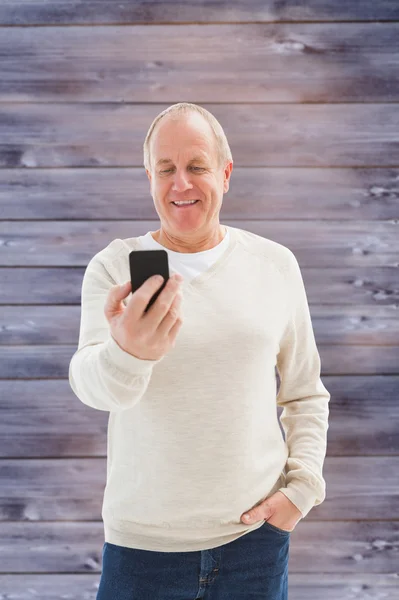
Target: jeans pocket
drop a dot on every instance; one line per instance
(276, 529)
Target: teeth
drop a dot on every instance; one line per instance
(178, 203)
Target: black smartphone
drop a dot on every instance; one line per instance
(146, 263)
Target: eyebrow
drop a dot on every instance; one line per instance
(164, 161)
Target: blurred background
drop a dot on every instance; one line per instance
(308, 96)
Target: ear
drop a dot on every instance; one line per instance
(227, 175)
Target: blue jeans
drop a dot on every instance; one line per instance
(252, 567)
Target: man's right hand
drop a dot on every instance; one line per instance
(149, 335)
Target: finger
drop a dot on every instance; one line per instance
(171, 316)
(175, 330)
(143, 295)
(162, 305)
(114, 303)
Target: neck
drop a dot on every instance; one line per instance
(190, 245)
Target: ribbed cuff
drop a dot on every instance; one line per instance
(299, 494)
(126, 362)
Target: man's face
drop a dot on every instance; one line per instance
(184, 165)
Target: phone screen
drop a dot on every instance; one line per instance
(146, 263)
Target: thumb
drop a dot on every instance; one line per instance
(260, 512)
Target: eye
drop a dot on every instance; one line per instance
(197, 168)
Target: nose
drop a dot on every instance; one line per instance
(181, 182)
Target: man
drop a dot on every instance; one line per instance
(193, 440)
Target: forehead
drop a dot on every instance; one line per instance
(189, 138)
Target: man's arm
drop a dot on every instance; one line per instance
(101, 374)
(304, 399)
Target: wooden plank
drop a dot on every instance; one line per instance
(52, 362)
(363, 421)
(55, 423)
(301, 586)
(72, 489)
(368, 286)
(329, 547)
(316, 243)
(296, 135)
(348, 62)
(47, 12)
(375, 325)
(269, 193)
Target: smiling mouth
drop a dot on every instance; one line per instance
(185, 205)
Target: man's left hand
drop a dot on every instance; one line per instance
(278, 510)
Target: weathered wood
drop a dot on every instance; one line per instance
(369, 286)
(286, 135)
(376, 325)
(51, 362)
(329, 547)
(348, 62)
(301, 586)
(363, 419)
(72, 489)
(316, 243)
(46, 419)
(319, 175)
(46, 12)
(268, 193)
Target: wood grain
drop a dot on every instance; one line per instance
(363, 423)
(323, 62)
(307, 94)
(123, 194)
(51, 362)
(66, 12)
(71, 489)
(345, 324)
(36, 135)
(65, 547)
(315, 243)
(301, 586)
(336, 285)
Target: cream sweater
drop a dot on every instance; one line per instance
(194, 438)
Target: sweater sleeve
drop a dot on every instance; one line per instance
(304, 399)
(101, 374)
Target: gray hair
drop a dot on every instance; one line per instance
(223, 149)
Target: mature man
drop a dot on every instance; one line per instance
(193, 439)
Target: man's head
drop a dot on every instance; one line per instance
(187, 157)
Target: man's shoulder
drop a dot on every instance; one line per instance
(275, 252)
(116, 249)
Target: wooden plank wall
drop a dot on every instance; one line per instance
(308, 96)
